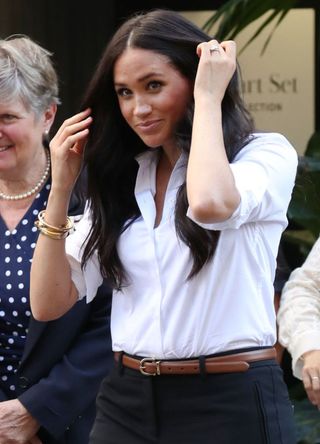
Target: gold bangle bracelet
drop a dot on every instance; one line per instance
(42, 224)
(53, 234)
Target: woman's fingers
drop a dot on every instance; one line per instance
(74, 119)
(216, 67)
(313, 392)
(208, 47)
(66, 149)
(213, 47)
(78, 147)
(311, 376)
(230, 48)
(72, 132)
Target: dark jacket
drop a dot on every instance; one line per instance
(62, 366)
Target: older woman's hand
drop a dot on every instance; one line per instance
(17, 426)
(311, 376)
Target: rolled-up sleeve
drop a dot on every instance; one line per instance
(87, 279)
(264, 173)
(299, 312)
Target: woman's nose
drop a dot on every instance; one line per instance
(142, 108)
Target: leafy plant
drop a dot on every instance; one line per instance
(235, 15)
(304, 209)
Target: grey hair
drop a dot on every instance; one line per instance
(27, 74)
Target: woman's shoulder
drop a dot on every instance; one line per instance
(264, 137)
(269, 142)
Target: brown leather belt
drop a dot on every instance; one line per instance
(237, 362)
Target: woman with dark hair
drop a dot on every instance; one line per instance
(185, 212)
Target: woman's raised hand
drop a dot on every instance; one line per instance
(216, 67)
(67, 148)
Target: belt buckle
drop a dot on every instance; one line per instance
(142, 367)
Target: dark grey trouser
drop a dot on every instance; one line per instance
(235, 408)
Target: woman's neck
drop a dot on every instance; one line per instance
(169, 156)
(22, 184)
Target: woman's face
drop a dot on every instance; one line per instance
(153, 95)
(21, 136)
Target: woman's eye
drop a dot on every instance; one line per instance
(8, 118)
(154, 85)
(123, 92)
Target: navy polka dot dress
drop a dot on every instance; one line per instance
(16, 251)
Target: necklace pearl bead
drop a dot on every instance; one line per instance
(34, 189)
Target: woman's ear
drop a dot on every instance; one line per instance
(49, 116)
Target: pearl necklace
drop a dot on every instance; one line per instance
(34, 189)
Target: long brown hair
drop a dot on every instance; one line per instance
(111, 150)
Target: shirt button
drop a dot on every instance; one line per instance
(23, 382)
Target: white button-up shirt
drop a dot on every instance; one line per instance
(229, 303)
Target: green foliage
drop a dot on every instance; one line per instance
(235, 15)
(304, 209)
(307, 422)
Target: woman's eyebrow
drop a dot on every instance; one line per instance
(143, 78)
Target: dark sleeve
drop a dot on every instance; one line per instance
(72, 384)
(3, 396)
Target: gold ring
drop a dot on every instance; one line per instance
(314, 377)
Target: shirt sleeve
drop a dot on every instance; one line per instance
(299, 312)
(88, 279)
(264, 172)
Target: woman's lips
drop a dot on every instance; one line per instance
(148, 126)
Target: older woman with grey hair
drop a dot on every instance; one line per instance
(49, 372)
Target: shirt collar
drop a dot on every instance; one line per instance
(147, 171)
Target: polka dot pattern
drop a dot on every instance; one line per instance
(16, 251)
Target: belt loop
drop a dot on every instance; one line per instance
(202, 366)
(120, 363)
